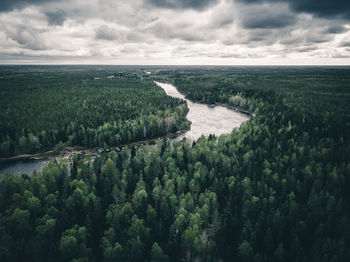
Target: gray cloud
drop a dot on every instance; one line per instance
(306, 49)
(56, 17)
(341, 55)
(156, 29)
(222, 17)
(180, 4)
(8, 5)
(183, 31)
(28, 38)
(227, 55)
(267, 17)
(335, 29)
(345, 43)
(306, 38)
(107, 33)
(321, 8)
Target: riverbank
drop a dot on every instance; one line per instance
(68, 152)
(207, 119)
(237, 109)
(229, 107)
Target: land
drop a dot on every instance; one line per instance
(44, 111)
(275, 189)
(68, 152)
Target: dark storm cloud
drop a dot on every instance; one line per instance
(179, 4)
(266, 16)
(8, 5)
(56, 18)
(336, 29)
(321, 8)
(265, 20)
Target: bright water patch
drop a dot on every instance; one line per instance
(206, 120)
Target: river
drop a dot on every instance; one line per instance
(205, 120)
(19, 167)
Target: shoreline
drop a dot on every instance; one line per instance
(71, 151)
(68, 151)
(229, 107)
(209, 105)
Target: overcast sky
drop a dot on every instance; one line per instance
(227, 32)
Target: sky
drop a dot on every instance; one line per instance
(175, 32)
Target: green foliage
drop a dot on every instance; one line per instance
(47, 108)
(157, 254)
(275, 189)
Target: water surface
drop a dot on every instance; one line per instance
(206, 120)
(23, 166)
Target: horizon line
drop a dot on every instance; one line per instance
(218, 65)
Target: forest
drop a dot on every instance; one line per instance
(46, 108)
(276, 189)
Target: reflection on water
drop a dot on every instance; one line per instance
(23, 166)
(206, 120)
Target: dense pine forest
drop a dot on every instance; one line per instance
(276, 189)
(41, 109)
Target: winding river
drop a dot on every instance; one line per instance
(205, 120)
